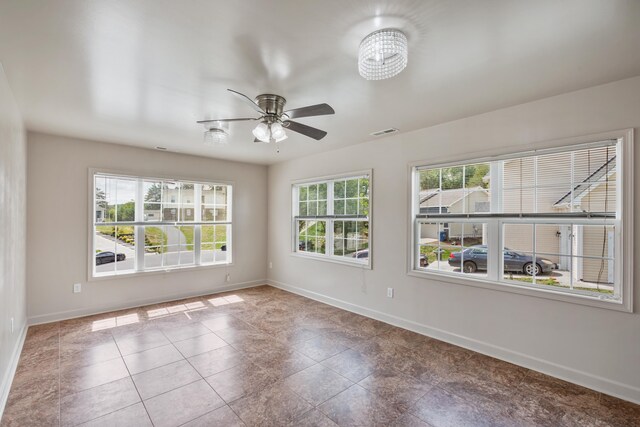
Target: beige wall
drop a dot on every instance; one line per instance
(596, 347)
(58, 216)
(12, 233)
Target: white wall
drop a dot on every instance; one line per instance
(13, 165)
(57, 240)
(596, 347)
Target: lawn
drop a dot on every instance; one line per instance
(430, 252)
(550, 281)
(211, 235)
(153, 236)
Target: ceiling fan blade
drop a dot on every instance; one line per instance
(311, 110)
(227, 120)
(249, 100)
(309, 131)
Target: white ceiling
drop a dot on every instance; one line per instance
(141, 72)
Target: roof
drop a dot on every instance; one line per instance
(448, 197)
(596, 178)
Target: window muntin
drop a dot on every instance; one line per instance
(549, 220)
(331, 218)
(144, 224)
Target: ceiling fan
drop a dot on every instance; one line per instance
(274, 120)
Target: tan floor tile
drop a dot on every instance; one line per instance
(183, 404)
(98, 401)
(129, 344)
(269, 370)
(272, 406)
(75, 379)
(215, 361)
(240, 380)
(165, 378)
(134, 415)
(359, 407)
(153, 358)
(317, 384)
(200, 344)
(221, 417)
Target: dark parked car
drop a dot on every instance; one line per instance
(475, 258)
(362, 254)
(106, 257)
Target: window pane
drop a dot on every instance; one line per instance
(322, 208)
(208, 195)
(312, 236)
(312, 208)
(453, 248)
(339, 189)
(152, 191)
(222, 248)
(350, 237)
(170, 212)
(313, 192)
(338, 207)
(187, 202)
(208, 213)
(105, 248)
(154, 245)
(125, 248)
(302, 210)
(322, 191)
(186, 244)
(352, 188)
(125, 205)
(352, 206)
(459, 189)
(221, 195)
(221, 213)
(302, 193)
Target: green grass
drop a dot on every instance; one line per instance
(210, 236)
(550, 281)
(430, 252)
(154, 236)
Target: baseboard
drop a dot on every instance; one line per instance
(72, 314)
(7, 379)
(585, 379)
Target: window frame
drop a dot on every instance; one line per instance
(624, 225)
(92, 172)
(328, 256)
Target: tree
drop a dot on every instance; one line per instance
(452, 178)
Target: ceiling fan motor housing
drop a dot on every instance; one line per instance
(271, 104)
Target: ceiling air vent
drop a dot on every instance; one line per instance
(384, 132)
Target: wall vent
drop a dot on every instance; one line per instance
(384, 132)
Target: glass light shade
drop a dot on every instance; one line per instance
(277, 132)
(215, 136)
(216, 133)
(382, 54)
(261, 132)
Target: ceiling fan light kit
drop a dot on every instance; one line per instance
(383, 54)
(273, 119)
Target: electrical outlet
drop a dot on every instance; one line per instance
(12, 325)
(228, 278)
(270, 264)
(77, 287)
(390, 292)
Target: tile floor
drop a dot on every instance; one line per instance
(262, 356)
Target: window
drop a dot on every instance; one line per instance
(546, 220)
(145, 224)
(331, 219)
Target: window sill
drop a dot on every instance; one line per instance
(592, 301)
(334, 260)
(169, 270)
